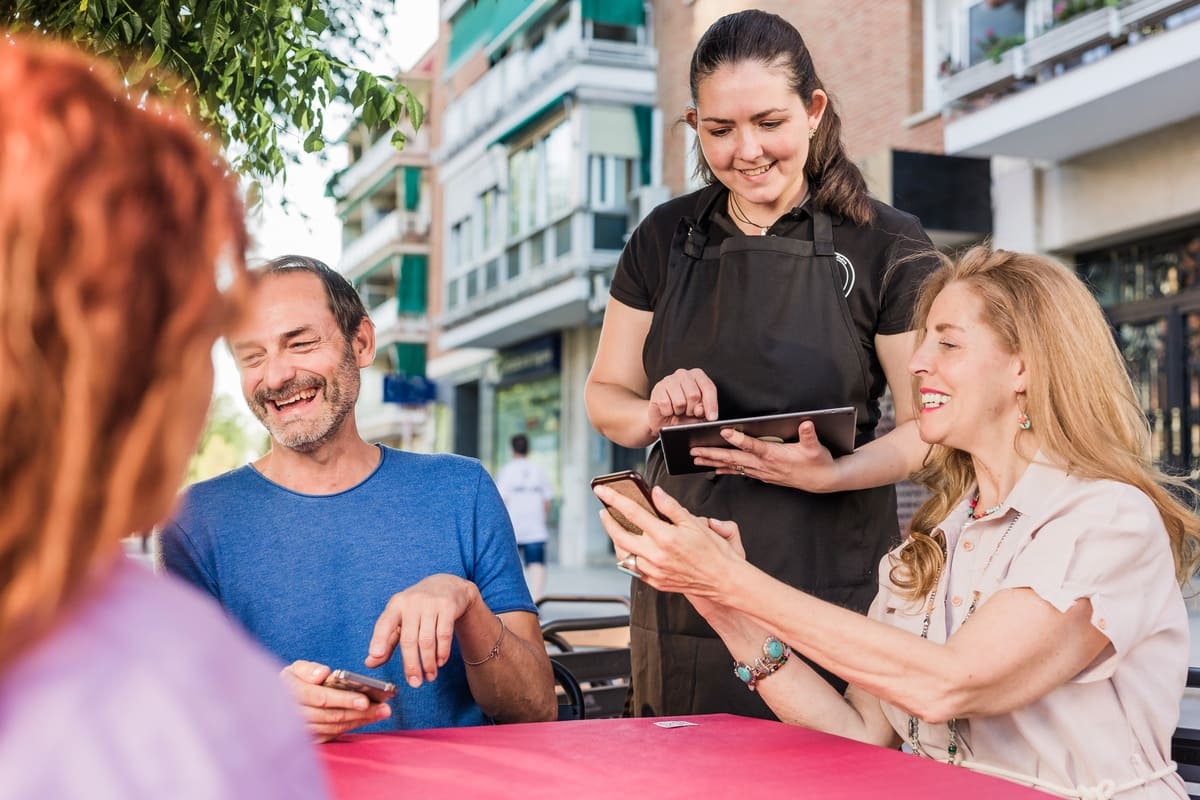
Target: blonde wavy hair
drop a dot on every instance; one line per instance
(114, 217)
(1078, 394)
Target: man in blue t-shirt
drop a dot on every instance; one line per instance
(333, 552)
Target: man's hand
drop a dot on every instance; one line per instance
(329, 712)
(421, 620)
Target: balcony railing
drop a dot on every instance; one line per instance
(391, 326)
(1056, 48)
(523, 73)
(395, 230)
(379, 156)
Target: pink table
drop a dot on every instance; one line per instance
(720, 756)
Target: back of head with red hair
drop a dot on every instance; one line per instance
(114, 218)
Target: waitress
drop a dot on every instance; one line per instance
(781, 286)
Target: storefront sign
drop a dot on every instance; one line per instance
(535, 358)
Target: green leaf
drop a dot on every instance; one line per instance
(314, 142)
(399, 139)
(110, 8)
(156, 57)
(160, 30)
(414, 109)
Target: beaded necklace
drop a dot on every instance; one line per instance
(914, 740)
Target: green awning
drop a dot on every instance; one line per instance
(478, 22)
(644, 116)
(529, 120)
(412, 287)
(410, 358)
(412, 188)
(614, 12)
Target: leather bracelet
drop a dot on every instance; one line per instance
(495, 651)
(775, 655)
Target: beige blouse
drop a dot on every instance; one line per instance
(1069, 539)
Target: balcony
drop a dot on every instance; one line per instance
(381, 156)
(1091, 81)
(527, 80)
(544, 282)
(392, 327)
(397, 232)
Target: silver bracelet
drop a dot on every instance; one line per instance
(495, 651)
(774, 655)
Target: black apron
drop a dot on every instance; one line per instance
(767, 319)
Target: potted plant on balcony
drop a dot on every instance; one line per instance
(1065, 10)
(993, 46)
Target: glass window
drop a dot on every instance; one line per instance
(993, 30)
(558, 170)
(489, 208)
(513, 256)
(537, 250)
(1144, 270)
(1144, 347)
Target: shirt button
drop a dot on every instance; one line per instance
(956, 600)
(1101, 623)
(968, 546)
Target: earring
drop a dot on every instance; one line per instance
(1024, 422)
(812, 132)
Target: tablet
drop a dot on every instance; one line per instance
(835, 430)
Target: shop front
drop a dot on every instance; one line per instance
(528, 400)
(1150, 290)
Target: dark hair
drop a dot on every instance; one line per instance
(344, 302)
(520, 444)
(837, 184)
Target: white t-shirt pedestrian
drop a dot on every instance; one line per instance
(526, 490)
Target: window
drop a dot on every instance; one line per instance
(489, 221)
(611, 180)
(990, 31)
(461, 249)
(558, 170)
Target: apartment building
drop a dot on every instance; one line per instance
(384, 199)
(1090, 113)
(546, 153)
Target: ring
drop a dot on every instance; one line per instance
(740, 469)
(629, 562)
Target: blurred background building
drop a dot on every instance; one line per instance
(485, 248)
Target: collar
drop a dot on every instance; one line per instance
(1034, 490)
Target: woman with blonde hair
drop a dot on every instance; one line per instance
(114, 220)
(1031, 626)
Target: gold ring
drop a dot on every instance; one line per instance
(740, 469)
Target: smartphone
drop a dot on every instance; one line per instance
(378, 691)
(631, 485)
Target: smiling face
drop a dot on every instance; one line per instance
(753, 129)
(300, 376)
(968, 380)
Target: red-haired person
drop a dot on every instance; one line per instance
(116, 219)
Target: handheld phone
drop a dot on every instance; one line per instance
(631, 485)
(378, 691)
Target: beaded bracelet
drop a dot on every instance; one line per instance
(775, 655)
(495, 651)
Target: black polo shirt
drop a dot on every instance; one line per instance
(883, 263)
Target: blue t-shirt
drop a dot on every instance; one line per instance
(308, 575)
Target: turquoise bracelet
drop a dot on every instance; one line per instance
(775, 655)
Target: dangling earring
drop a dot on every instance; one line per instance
(1024, 422)
(812, 132)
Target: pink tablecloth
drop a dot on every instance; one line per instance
(720, 756)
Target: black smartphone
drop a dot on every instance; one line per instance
(629, 483)
(378, 691)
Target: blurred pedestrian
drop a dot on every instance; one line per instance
(118, 223)
(527, 494)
